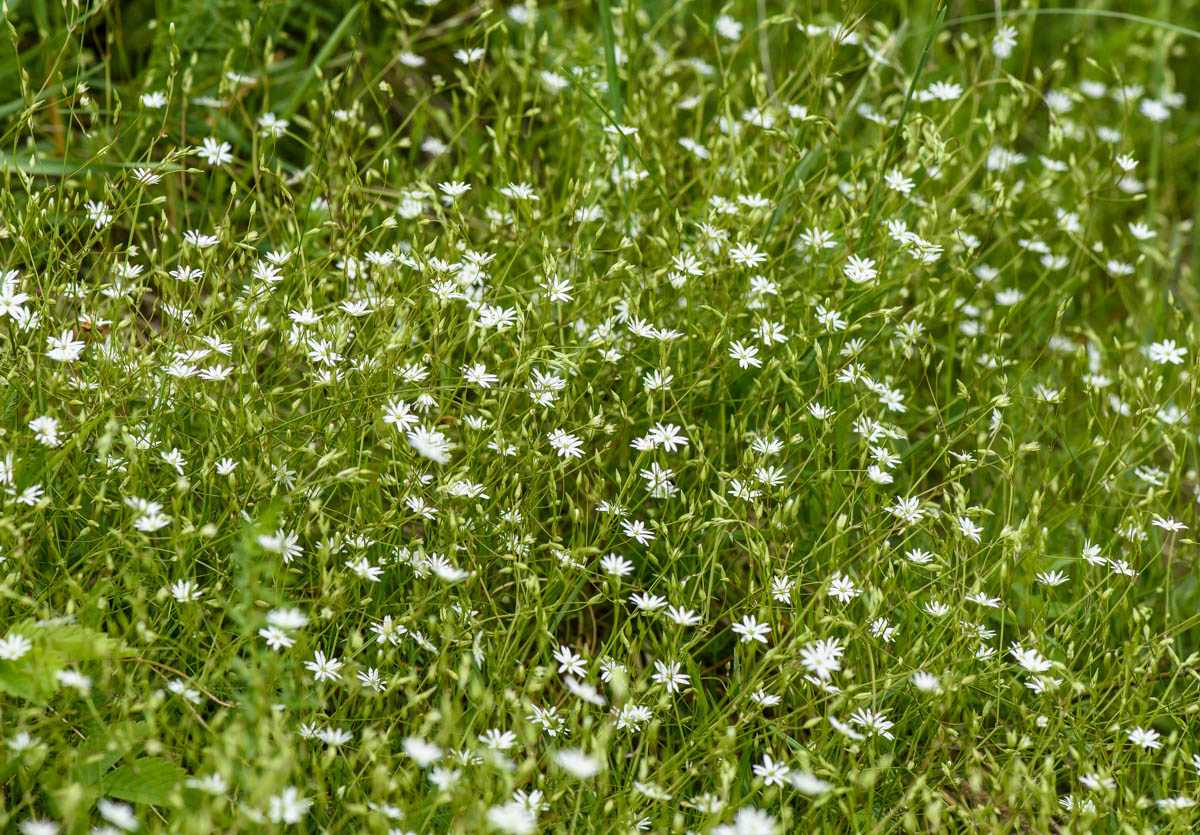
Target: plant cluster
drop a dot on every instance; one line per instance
(450, 418)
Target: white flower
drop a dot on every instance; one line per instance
(565, 444)
(806, 783)
(765, 699)
(276, 638)
(615, 565)
(637, 530)
(576, 763)
(1004, 41)
(22, 741)
(941, 91)
(860, 270)
(272, 125)
(751, 630)
(289, 806)
(926, 682)
(430, 443)
(324, 668)
(773, 773)
(843, 588)
(668, 675)
(512, 818)
(1051, 578)
(747, 821)
(1147, 738)
(746, 355)
(119, 815)
(822, 657)
(728, 28)
(454, 188)
(1030, 659)
(468, 56)
(64, 348)
(1174, 804)
(897, 182)
(936, 609)
(287, 618)
(75, 679)
(215, 152)
(15, 646)
(968, 528)
(1166, 352)
(45, 429)
(213, 784)
(422, 752)
(1141, 231)
(583, 690)
(747, 255)
(185, 591)
(873, 722)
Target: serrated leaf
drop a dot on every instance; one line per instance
(148, 780)
(90, 766)
(81, 643)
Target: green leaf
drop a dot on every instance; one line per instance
(335, 38)
(32, 676)
(148, 780)
(81, 643)
(90, 766)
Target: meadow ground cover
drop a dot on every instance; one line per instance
(449, 417)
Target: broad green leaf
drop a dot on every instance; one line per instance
(32, 676)
(90, 766)
(82, 643)
(148, 780)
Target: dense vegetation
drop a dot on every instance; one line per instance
(450, 417)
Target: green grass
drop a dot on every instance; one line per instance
(879, 349)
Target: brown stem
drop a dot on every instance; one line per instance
(182, 675)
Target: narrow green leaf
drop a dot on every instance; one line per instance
(293, 103)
